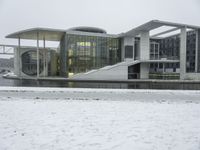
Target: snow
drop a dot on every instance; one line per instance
(98, 119)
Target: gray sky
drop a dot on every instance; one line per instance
(115, 16)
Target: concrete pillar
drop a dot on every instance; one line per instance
(183, 42)
(44, 58)
(144, 45)
(129, 41)
(38, 59)
(19, 57)
(144, 71)
(46, 64)
(144, 54)
(122, 50)
(196, 52)
(16, 61)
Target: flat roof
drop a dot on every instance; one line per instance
(43, 33)
(92, 34)
(56, 34)
(88, 29)
(153, 24)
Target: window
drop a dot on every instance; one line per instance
(29, 63)
(128, 51)
(85, 53)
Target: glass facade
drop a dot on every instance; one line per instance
(170, 47)
(29, 63)
(154, 51)
(84, 53)
(191, 51)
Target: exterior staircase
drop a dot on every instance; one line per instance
(118, 71)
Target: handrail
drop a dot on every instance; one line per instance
(165, 57)
(7, 49)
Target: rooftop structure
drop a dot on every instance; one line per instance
(90, 53)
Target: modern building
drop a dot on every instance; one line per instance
(89, 53)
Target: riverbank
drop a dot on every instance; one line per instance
(119, 84)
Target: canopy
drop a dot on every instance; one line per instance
(38, 33)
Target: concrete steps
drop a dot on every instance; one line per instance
(118, 71)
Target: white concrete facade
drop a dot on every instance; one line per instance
(144, 54)
(120, 70)
(183, 41)
(144, 45)
(129, 41)
(144, 71)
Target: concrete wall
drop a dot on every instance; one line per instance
(144, 54)
(144, 45)
(144, 71)
(16, 62)
(119, 72)
(183, 42)
(129, 41)
(126, 41)
(198, 51)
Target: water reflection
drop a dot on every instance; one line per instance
(35, 83)
(132, 85)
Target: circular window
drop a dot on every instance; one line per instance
(29, 63)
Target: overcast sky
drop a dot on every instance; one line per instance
(115, 16)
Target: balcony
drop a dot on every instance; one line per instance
(163, 57)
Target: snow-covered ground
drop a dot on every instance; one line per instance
(98, 119)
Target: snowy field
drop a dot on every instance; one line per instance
(98, 119)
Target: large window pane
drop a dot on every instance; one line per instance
(85, 53)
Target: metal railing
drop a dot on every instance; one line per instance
(7, 49)
(164, 57)
(164, 76)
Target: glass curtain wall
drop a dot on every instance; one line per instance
(191, 51)
(85, 53)
(29, 62)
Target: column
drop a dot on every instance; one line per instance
(44, 58)
(38, 59)
(144, 71)
(196, 52)
(144, 54)
(19, 56)
(144, 45)
(183, 42)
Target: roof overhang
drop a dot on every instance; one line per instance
(155, 24)
(38, 33)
